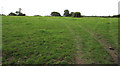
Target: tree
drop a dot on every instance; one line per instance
(116, 15)
(19, 13)
(12, 14)
(76, 14)
(55, 14)
(66, 13)
(20, 10)
(71, 13)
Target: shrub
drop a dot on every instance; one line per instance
(76, 14)
(116, 15)
(55, 14)
(21, 14)
(12, 14)
(66, 13)
(71, 13)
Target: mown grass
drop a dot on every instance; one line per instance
(52, 40)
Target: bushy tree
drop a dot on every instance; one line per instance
(66, 13)
(17, 13)
(116, 15)
(12, 14)
(71, 13)
(55, 14)
(21, 14)
(76, 14)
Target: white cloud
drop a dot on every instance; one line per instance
(45, 7)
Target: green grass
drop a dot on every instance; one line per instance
(0, 39)
(53, 40)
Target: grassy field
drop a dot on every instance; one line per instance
(59, 40)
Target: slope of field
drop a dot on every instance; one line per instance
(59, 40)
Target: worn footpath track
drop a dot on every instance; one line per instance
(78, 59)
(97, 37)
(105, 44)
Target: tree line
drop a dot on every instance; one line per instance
(65, 14)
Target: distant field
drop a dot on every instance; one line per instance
(59, 40)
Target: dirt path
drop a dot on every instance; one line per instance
(107, 46)
(77, 39)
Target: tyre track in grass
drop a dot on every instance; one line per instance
(107, 46)
(78, 59)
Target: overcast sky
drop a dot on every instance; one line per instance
(45, 7)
